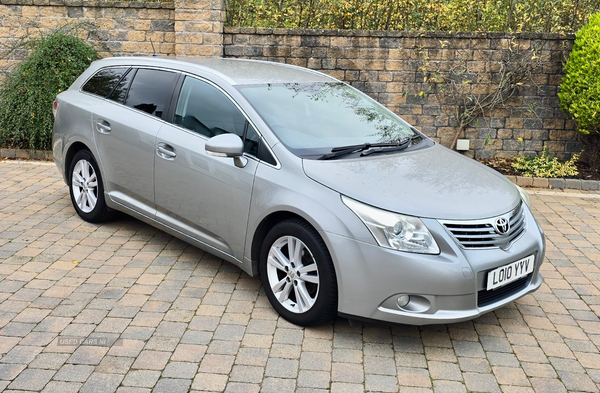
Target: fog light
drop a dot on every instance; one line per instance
(403, 300)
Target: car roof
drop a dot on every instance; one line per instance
(235, 71)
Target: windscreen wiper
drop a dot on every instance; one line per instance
(344, 150)
(401, 146)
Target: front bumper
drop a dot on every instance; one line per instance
(443, 288)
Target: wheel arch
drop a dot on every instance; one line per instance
(72, 150)
(324, 289)
(264, 227)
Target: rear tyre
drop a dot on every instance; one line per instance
(298, 275)
(86, 188)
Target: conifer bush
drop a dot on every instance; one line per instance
(580, 90)
(55, 60)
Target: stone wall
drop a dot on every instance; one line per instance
(382, 64)
(121, 28)
(385, 66)
(117, 28)
(199, 27)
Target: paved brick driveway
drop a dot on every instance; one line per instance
(160, 314)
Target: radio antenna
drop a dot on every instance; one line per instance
(153, 50)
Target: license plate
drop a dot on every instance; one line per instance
(509, 273)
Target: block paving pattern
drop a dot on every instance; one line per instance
(163, 316)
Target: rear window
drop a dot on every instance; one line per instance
(150, 90)
(104, 81)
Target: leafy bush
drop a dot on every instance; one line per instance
(580, 90)
(54, 62)
(558, 16)
(545, 165)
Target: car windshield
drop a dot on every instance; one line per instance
(312, 118)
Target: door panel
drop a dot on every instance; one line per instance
(126, 135)
(203, 196)
(127, 154)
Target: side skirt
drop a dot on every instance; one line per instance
(174, 232)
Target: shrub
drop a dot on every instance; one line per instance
(580, 90)
(54, 62)
(557, 16)
(545, 165)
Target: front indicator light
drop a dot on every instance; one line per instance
(393, 230)
(524, 196)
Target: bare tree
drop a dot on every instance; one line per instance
(459, 90)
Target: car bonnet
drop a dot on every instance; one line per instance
(434, 182)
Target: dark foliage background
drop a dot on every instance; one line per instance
(53, 63)
(556, 16)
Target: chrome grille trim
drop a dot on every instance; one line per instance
(480, 234)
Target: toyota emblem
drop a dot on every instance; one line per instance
(502, 226)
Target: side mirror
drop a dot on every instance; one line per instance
(227, 145)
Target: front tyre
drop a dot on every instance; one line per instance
(86, 189)
(298, 275)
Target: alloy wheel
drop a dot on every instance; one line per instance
(293, 274)
(85, 186)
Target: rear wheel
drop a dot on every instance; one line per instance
(297, 273)
(86, 189)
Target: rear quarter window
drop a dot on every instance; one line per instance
(119, 93)
(104, 81)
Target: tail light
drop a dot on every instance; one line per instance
(54, 107)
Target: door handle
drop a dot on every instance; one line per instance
(103, 126)
(166, 151)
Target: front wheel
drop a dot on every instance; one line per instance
(298, 275)
(86, 189)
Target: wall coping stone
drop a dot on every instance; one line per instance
(392, 33)
(524, 181)
(92, 3)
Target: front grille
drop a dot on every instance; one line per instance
(479, 234)
(485, 297)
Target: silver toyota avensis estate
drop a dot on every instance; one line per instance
(339, 205)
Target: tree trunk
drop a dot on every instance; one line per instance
(461, 129)
(591, 149)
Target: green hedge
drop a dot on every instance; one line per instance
(580, 90)
(54, 62)
(559, 16)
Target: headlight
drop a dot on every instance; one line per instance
(393, 230)
(524, 196)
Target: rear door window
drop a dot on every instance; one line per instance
(104, 81)
(150, 90)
